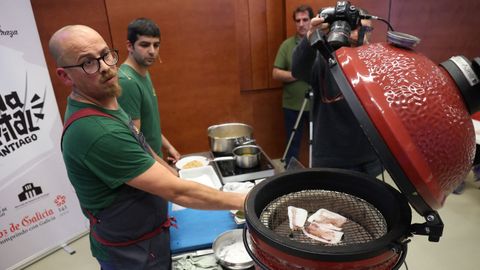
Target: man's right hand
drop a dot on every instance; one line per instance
(317, 23)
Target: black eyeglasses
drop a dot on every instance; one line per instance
(91, 66)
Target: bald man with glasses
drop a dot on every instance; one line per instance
(122, 189)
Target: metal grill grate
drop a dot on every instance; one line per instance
(365, 223)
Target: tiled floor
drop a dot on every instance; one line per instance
(457, 250)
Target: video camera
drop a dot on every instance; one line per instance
(343, 18)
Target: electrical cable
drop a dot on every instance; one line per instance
(372, 17)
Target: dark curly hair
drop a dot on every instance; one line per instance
(303, 8)
(142, 27)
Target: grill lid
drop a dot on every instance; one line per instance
(414, 116)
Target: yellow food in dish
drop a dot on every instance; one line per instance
(192, 164)
(240, 214)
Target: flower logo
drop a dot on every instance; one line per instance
(60, 200)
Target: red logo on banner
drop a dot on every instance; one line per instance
(60, 200)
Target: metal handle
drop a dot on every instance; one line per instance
(250, 252)
(248, 141)
(244, 140)
(223, 158)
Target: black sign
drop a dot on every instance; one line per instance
(29, 191)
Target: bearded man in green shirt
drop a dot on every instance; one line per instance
(121, 186)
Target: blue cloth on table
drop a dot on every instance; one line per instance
(197, 229)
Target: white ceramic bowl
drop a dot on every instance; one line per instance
(187, 161)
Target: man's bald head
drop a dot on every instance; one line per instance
(70, 39)
(74, 45)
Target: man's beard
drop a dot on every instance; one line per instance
(113, 90)
(143, 61)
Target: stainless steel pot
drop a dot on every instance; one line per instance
(245, 156)
(224, 137)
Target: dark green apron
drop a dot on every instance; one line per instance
(134, 230)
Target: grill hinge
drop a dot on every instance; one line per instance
(433, 227)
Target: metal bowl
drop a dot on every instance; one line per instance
(230, 251)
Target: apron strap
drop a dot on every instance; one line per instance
(80, 114)
(169, 222)
(94, 112)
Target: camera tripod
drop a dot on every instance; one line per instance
(308, 96)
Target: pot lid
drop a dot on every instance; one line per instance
(413, 114)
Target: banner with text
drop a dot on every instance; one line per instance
(39, 210)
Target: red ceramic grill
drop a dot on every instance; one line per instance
(416, 114)
(374, 236)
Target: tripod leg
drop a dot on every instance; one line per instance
(310, 130)
(310, 143)
(294, 130)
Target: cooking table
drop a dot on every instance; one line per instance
(197, 229)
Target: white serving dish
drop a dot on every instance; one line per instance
(183, 161)
(237, 219)
(204, 175)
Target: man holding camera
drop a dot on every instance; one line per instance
(339, 141)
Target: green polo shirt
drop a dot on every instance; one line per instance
(293, 92)
(139, 100)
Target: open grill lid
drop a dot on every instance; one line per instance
(413, 114)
